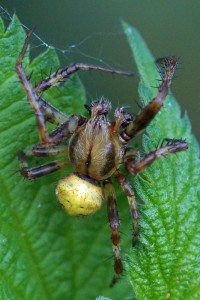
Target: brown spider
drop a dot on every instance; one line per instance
(96, 148)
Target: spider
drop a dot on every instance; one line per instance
(95, 147)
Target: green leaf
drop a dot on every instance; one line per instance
(44, 253)
(166, 262)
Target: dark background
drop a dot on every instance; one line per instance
(169, 27)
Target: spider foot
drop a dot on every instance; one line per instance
(115, 279)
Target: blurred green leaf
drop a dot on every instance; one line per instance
(166, 261)
(44, 253)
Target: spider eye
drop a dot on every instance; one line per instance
(79, 196)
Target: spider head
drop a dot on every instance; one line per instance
(79, 195)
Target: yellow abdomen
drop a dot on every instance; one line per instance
(79, 196)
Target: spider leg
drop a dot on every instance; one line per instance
(172, 146)
(51, 114)
(66, 129)
(43, 111)
(114, 222)
(62, 74)
(33, 173)
(43, 151)
(146, 115)
(31, 95)
(127, 188)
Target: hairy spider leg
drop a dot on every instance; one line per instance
(62, 74)
(147, 114)
(114, 222)
(31, 96)
(35, 172)
(43, 111)
(43, 151)
(52, 114)
(128, 190)
(66, 129)
(172, 146)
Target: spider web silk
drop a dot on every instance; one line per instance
(70, 50)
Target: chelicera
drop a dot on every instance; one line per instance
(95, 147)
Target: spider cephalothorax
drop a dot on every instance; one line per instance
(94, 150)
(95, 147)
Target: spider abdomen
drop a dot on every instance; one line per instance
(94, 151)
(79, 195)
